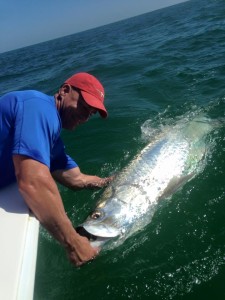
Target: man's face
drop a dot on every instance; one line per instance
(75, 110)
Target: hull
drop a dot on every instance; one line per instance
(18, 252)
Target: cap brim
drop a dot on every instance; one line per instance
(96, 103)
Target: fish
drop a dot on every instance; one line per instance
(165, 165)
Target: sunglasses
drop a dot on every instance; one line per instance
(91, 110)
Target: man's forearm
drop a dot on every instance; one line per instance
(52, 216)
(74, 179)
(42, 197)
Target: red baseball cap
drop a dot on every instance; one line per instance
(91, 90)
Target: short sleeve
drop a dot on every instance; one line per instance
(59, 159)
(37, 127)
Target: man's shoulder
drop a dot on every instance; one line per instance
(26, 94)
(30, 97)
(29, 94)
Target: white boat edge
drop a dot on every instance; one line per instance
(19, 231)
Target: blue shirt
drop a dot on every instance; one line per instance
(30, 125)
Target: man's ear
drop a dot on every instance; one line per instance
(64, 89)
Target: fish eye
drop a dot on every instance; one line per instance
(96, 215)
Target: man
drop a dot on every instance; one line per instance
(32, 153)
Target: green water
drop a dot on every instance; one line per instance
(158, 67)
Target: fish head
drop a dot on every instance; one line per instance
(102, 224)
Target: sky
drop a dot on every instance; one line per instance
(28, 22)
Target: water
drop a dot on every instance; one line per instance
(157, 68)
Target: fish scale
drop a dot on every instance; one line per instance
(160, 169)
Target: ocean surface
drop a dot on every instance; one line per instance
(157, 68)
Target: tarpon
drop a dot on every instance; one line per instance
(161, 168)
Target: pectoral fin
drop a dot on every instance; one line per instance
(175, 184)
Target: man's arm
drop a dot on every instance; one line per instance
(74, 179)
(42, 196)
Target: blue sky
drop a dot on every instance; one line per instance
(28, 22)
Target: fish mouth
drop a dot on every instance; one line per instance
(102, 230)
(95, 232)
(95, 241)
(83, 232)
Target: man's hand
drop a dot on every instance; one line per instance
(75, 179)
(82, 252)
